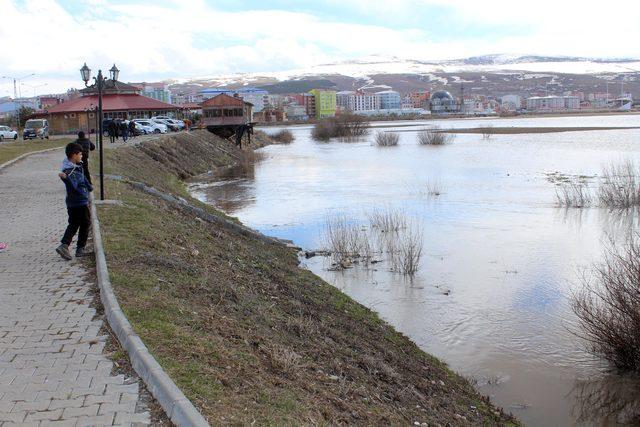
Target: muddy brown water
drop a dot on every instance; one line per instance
(500, 259)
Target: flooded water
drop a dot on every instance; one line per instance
(500, 259)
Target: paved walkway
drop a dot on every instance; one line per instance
(52, 367)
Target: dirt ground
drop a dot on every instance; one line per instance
(249, 336)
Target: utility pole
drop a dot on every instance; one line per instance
(462, 98)
(15, 95)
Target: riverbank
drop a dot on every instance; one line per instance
(243, 331)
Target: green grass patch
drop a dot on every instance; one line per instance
(11, 150)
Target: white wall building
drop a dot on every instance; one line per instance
(553, 103)
(511, 102)
(357, 101)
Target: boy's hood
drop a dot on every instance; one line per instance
(68, 164)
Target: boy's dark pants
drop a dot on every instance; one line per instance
(78, 218)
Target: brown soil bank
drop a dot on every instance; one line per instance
(517, 130)
(248, 335)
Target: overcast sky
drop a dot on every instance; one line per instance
(167, 38)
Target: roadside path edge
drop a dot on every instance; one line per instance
(176, 405)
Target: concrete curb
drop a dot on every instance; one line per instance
(176, 405)
(22, 156)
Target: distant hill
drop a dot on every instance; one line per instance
(488, 75)
(296, 86)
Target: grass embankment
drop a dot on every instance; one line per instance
(11, 150)
(247, 334)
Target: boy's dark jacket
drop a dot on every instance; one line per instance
(78, 187)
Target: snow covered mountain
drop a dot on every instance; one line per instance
(524, 73)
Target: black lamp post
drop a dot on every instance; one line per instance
(85, 73)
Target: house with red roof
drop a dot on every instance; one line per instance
(119, 101)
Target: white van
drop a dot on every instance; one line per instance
(36, 128)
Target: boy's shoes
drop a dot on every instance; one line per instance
(80, 252)
(63, 251)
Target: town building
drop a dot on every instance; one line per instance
(419, 99)
(119, 100)
(511, 103)
(159, 91)
(224, 109)
(356, 101)
(48, 101)
(552, 103)
(441, 102)
(389, 100)
(259, 98)
(296, 112)
(325, 103)
(182, 98)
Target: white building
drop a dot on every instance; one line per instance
(357, 101)
(511, 102)
(295, 112)
(553, 103)
(389, 100)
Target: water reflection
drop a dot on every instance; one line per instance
(607, 401)
(499, 258)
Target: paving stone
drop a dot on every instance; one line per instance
(52, 367)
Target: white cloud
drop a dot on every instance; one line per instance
(185, 39)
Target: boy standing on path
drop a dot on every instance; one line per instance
(78, 188)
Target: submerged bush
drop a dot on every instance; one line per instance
(573, 195)
(619, 187)
(608, 306)
(487, 132)
(343, 126)
(405, 249)
(434, 136)
(284, 136)
(386, 220)
(346, 240)
(387, 139)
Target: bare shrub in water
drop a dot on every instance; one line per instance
(405, 249)
(345, 240)
(387, 139)
(434, 188)
(434, 136)
(284, 136)
(608, 306)
(573, 195)
(487, 132)
(387, 219)
(619, 186)
(344, 126)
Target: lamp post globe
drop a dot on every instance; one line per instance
(114, 72)
(85, 73)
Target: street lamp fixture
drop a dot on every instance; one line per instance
(114, 72)
(85, 74)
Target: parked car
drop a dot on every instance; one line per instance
(177, 122)
(142, 129)
(36, 128)
(7, 133)
(167, 123)
(156, 127)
